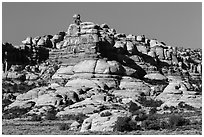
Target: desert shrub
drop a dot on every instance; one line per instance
(165, 107)
(64, 126)
(78, 117)
(149, 102)
(151, 124)
(177, 120)
(122, 124)
(153, 111)
(105, 114)
(133, 125)
(14, 112)
(36, 118)
(172, 108)
(132, 107)
(51, 115)
(186, 106)
(164, 125)
(139, 115)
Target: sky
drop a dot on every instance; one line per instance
(176, 24)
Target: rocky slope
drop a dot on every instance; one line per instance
(91, 69)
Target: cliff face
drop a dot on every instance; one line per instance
(90, 67)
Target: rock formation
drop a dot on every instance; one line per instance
(91, 67)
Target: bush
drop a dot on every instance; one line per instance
(105, 114)
(177, 120)
(164, 125)
(149, 102)
(134, 126)
(64, 126)
(51, 115)
(122, 124)
(186, 106)
(78, 117)
(14, 112)
(132, 107)
(36, 118)
(140, 115)
(153, 111)
(151, 124)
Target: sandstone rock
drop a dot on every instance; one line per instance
(133, 84)
(127, 94)
(48, 99)
(67, 94)
(142, 48)
(152, 53)
(21, 104)
(86, 66)
(65, 70)
(88, 38)
(153, 42)
(99, 98)
(75, 125)
(99, 67)
(79, 83)
(31, 76)
(155, 76)
(192, 100)
(131, 48)
(120, 44)
(16, 75)
(102, 67)
(41, 42)
(160, 52)
(89, 31)
(73, 30)
(53, 85)
(31, 94)
(86, 106)
(27, 41)
(140, 38)
(86, 125)
(97, 122)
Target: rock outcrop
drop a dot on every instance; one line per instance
(93, 70)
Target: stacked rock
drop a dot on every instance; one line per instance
(82, 38)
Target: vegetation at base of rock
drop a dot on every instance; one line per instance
(139, 115)
(177, 120)
(122, 124)
(14, 112)
(51, 115)
(36, 118)
(64, 126)
(149, 102)
(185, 106)
(137, 82)
(78, 117)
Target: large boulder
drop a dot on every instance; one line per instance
(99, 66)
(47, 99)
(32, 94)
(106, 120)
(73, 30)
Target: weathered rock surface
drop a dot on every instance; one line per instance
(94, 70)
(101, 122)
